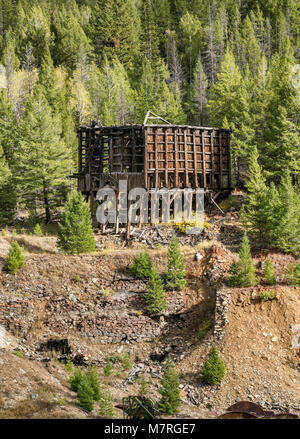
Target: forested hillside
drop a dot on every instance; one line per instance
(224, 63)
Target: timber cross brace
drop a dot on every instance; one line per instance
(153, 156)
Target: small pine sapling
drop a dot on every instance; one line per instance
(214, 368)
(155, 297)
(15, 258)
(176, 267)
(142, 266)
(170, 392)
(269, 277)
(85, 394)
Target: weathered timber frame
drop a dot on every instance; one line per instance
(154, 156)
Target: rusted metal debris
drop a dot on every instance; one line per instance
(251, 410)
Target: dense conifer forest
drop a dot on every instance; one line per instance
(229, 63)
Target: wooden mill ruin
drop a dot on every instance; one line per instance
(153, 156)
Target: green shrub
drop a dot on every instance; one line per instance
(204, 329)
(266, 295)
(296, 276)
(170, 393)
(142, 266)
(93, 377)
(69, 365)
(3, 233)
(106, 406)
(15, 258)
(75, 379)
(38, 230)
(214, 368)
(85, 394)
(242, 273)
(75, 229)
(126, 361)
(77, 278)
(176, 267)
(269, 278)
(108, 369)
(155, 297)
(143, 390)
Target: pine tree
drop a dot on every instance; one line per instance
(75, 229)
(176, 267)
(38, 230)
(192, 41)
(170, 393)
(269, 277)
(70, 38)
(114, 29)
(229, 98)
(286, 229)
(106, 405)
(243, 272)
(85, 394)
(142, 266)
(143, 390)
(297, 275)
(198, 95)
(41, 161)
(254, 215)
(93, 377)
(278, 126)
(15, 258)
(155, 297)
(149, 33)
(214, 368)
(76, 379)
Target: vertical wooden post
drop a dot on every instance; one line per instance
(176, 158)
(203, 159)
(128, 221)
(212, 155)
(156, 158)
(195, 158)
(166, 159)
(133, 147)
(229, 159)
(117, 211)
(145, 136)
(186, 159)
(221, 160)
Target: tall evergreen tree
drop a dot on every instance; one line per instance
(75, 229)
(114, 28)
(170, 393)
(41, 162)
(243, 272)
(155, 297)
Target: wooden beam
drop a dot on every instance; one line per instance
(176, 157)
(195, 159)
(156, 159)
(186, 160)
(203, 159)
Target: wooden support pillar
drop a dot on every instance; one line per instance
(195, 159)
(156, 158)
(166, 160)
(186, 164)
(176, 157)
(221, 183)
(203, 159)
(212, 155)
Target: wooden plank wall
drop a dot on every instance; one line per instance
(166, 155)
(187, 157)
